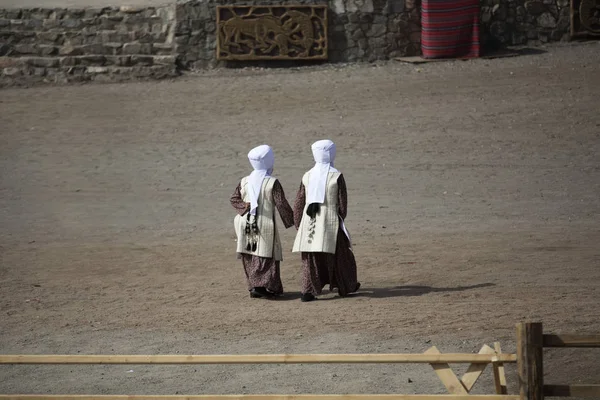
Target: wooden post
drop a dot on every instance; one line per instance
(530, 337)
(499, 375)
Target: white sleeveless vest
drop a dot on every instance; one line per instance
(267, 240)
(320, 235)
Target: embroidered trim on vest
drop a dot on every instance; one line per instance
(251, 232)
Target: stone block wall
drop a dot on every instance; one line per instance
(369, 30)
(521, 22)
(361, 30)
(63, 45)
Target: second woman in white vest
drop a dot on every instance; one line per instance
(255, 200)
(323, 240)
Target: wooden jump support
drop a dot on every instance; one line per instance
(458, 388)
(529, 358)
(531, 342)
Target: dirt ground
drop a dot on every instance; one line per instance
(474, 203)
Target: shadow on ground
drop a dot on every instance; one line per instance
(395, 291)
(414, 290)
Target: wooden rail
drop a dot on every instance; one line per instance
(261, 359)
(531, 341)
(572, 391)
(572, 341)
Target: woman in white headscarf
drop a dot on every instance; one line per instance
(319, 212)
(255, 199)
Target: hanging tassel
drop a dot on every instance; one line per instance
(313, 209)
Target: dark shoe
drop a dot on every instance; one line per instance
(306, 297)
(355, 290)
(260, 293)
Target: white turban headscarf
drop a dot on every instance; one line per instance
(324, 154)
(262, 160)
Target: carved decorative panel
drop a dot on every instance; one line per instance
(585, 18)
(285, 32)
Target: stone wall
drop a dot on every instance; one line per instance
(359, 30)
(369, 30)
(520, 22)
(63, 45)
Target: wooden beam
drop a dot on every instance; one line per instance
(261, 397)
(590, 391)
(475, 370)
(572, 341)
(499, 376)
(446, 375)
(258, 359)
(530, 361)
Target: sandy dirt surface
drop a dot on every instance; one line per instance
(474, 203)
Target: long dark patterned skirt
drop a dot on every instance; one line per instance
(336, 270)
(262, 272)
